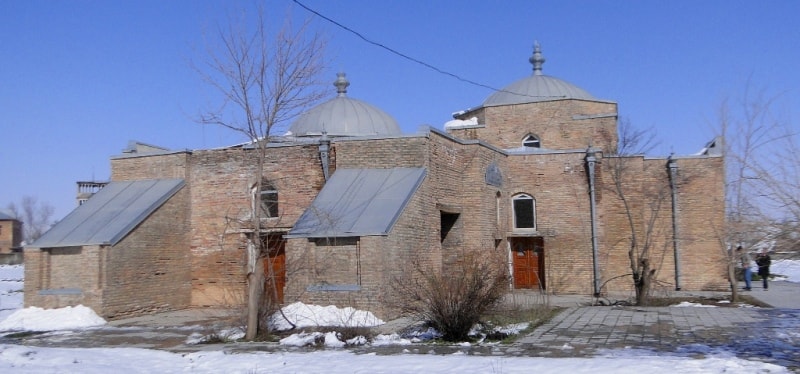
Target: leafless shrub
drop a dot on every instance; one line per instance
(452, 301)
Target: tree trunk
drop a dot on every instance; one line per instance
(644, 282)
(255, 294)
(733, 282)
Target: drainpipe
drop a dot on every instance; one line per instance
(591, 161)
(672, 165)
(324, 149)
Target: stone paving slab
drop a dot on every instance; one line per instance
(771, 335)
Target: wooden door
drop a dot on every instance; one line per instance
(275, 267)
(528, 262)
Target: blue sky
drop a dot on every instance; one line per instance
(79, 79)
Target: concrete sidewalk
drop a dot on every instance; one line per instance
(781, 294)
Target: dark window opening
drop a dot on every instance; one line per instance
(269, 200)
(531, 141)
(448, 221)
(524, 212)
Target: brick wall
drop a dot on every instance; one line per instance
(10, 235)
(559, 185)
(60, 277)
(559, 124)
(221, 207)
(147, 270)
(700, 207)
(174, 165)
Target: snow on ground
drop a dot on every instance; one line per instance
(685, 304)
(26, 359)
(304, 315)
(789, 270)
(38, 319)
(11, 277)
(21, 359)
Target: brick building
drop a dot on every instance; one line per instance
(349, 202)
(10, 233)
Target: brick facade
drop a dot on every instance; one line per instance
(191, 252)
(145, 272)
(10, 235)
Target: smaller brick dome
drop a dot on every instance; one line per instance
(536, 88)
(344, 116)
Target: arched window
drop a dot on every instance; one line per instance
(531, 141)
(524, 207)
(269, 200)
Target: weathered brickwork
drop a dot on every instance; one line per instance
(146, 271)
(59, 277)
(10, 235)
(174, 165)
(646, 189)
(557, 183)
(559, 124)
(701, 217)
(143, 273)
(221, 209)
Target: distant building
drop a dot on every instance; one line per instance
(349, 203)
(10, 233)
(87, 189)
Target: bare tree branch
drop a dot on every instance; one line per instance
(266, 79)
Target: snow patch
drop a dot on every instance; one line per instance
(38, 319)
(687, 304)
(303, 315)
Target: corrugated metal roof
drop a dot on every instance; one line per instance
(359, 202)
(110, 214)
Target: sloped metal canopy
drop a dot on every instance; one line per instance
(110, 214)
(359, 202)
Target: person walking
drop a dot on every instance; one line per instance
(764, 262)
(746, 267)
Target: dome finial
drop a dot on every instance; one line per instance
(341, 84)
(537, 59)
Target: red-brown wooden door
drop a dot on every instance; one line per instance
(275, 267)
(528, 262)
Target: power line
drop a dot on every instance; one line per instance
(407, 57)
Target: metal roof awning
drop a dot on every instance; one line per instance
(110, 214)
(359, 202)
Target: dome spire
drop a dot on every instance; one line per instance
(537, 59)
(341, 84)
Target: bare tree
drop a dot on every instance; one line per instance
(266, 79)
(642, 205)
(756, 167)
(778, 182)
(36, 217)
